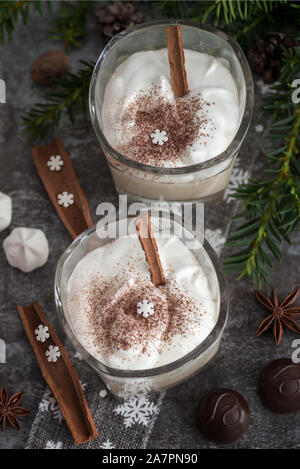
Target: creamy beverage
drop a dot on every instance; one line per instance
(127, 323)
(146, 312)
(139, 99)
(161, 143)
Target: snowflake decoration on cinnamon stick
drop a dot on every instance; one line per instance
(55, 163)
(53, 353)
(10, 408)
(282, 314)
(42, 333)
(65, 199)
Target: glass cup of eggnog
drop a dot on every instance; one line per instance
(159, 146)
(137, 334)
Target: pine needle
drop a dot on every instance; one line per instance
(11, 11)
(68, 96)
(271, 205)
(69, 23)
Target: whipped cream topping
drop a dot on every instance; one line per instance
(110, 284)
(139, 99)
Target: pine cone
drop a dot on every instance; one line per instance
(266, 57)
(116, 16)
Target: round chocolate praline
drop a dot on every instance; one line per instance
(279, 386)
(223, 416)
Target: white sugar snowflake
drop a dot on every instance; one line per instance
(78, 356)
(53, 445)
(159, 137)
(103, 393)
(238, 177)
(145, 308)
(259, 128)
(107, 445)
(65, 199)
(52, 353)
(136, 410)
(55, 163)
(42, 333)
(215, 239)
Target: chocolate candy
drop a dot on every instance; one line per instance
(279, 386)
(223, 415)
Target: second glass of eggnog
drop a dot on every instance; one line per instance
(159, 147)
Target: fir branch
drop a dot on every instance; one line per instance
(177, 9)
(231, 11)
(69, 96)
(236, 17)
(271, 205)
(69, 23)
(220, 12)
(11, 11)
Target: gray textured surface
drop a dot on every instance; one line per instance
(241, 355)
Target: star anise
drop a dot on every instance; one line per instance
(10, 409)
(282, 314)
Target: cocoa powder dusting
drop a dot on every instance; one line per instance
(181, 120)
(115, 324)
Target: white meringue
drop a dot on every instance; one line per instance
(5, 211)
(26, 248)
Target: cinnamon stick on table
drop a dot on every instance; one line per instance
(59, 374)
(149, 245)
(75, 215)
(176, 61)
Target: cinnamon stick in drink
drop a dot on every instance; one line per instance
(148, 243)
(176, 61)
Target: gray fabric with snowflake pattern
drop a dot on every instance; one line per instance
(121, 423)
